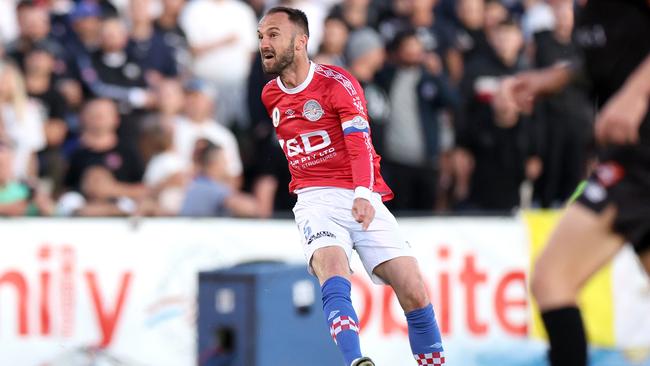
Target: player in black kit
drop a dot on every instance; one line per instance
(614, 207)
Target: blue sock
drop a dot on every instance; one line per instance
(341, 317)
(424, 337)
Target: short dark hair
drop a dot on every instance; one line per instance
(204, 150)
(25, 4)
(401, 37)
(296, 16)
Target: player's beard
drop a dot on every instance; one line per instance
(282, 61)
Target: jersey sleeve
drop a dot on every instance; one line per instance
(350, 104)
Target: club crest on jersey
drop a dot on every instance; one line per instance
(276, 116)
(312, 110)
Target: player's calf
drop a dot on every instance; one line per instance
(424, 337)
(341, 317)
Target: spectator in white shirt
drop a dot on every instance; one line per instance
(22, 121)
(166, 173)
(197, 123)
(223, 40)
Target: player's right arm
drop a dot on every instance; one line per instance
(528, 86)
(619, 120)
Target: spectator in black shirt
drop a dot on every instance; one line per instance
(111, 73)
(564, 119)
(40, 84)
(173, 34)
(34, 27)
(494, 155)
(99, 145)
(147, 46)
(358, 14)
(265, 164)
(483, 73)
(468, 38)
(81, 39)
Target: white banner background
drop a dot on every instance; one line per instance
(474, 268)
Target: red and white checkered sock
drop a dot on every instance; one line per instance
(434, 358)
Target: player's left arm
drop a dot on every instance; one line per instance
(350, 104)
(619, 120)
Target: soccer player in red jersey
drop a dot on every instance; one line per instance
(319, 113)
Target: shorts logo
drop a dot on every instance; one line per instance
(312, 110)
(609, 173)
(320, 234)
(307, 230)
(595, 193)
(276, 116)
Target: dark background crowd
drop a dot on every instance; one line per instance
(152, 107)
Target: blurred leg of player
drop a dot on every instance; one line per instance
(582, 243)
(330, 264)
(403, 275)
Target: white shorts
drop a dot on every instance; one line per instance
(324, 218)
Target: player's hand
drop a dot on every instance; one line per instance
(619, 120)
(524, 89)
(530, 85)
(363, 212)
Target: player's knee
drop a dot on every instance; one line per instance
(414, 297)
(550, 287)
(329, 262)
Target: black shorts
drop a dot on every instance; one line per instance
(622, 179)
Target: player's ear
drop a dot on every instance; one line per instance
(301, 42)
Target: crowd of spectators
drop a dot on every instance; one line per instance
(152, 107)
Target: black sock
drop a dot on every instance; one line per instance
(566, 336)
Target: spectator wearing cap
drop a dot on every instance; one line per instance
(40, 84)
(18, 198)
(418, 96)
(198, 123)
(332, 46)
(80, 35)
(86, 20)
(223, 53)
(22, 121)
(365, 56)
(147, 46)
(210, 193)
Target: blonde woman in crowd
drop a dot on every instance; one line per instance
(22, 121)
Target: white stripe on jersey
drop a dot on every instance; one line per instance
(366, 138)
(329, 73)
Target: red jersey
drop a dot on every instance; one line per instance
(323, 130)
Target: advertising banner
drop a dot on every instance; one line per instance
(124, 292)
